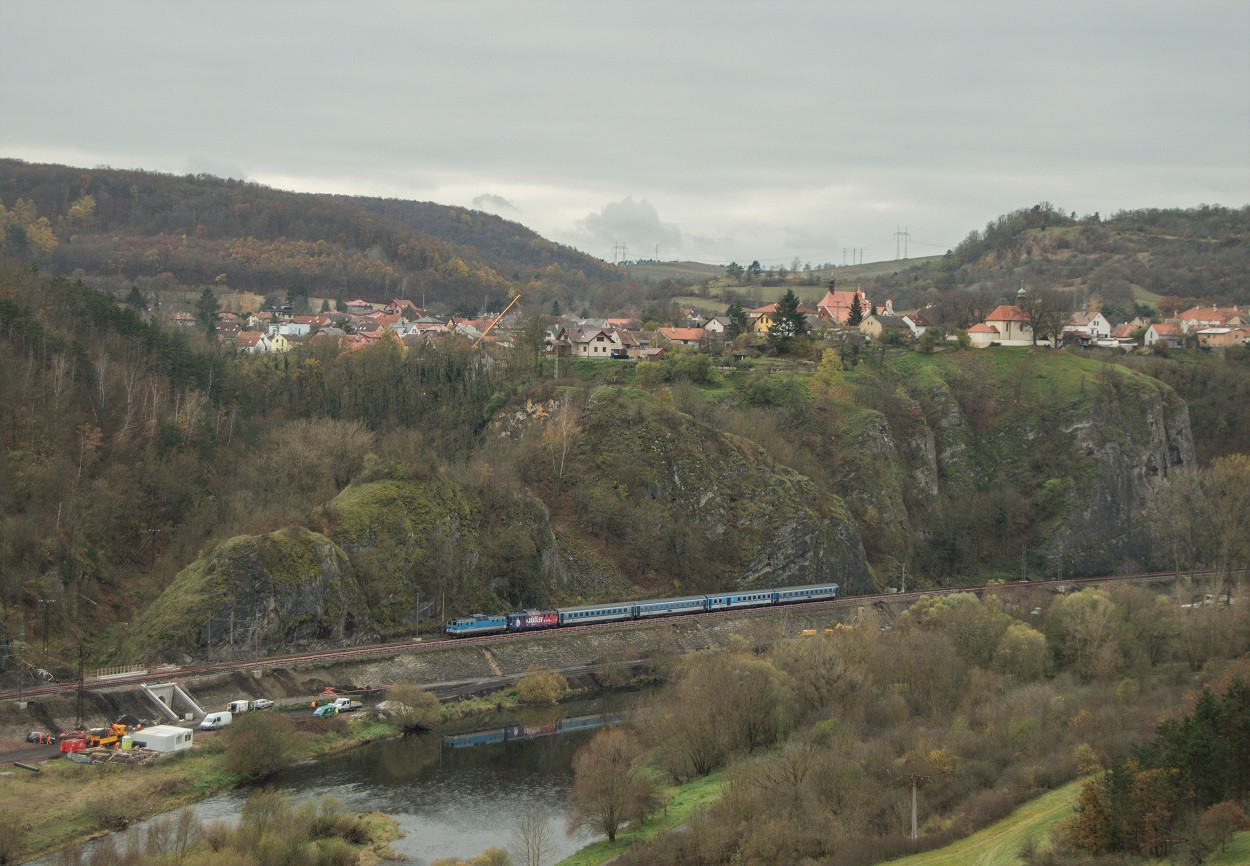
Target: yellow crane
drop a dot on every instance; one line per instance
(496, 322)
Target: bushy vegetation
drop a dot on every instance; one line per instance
(271, 829)
(952, 698)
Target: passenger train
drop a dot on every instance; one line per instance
(620, 611)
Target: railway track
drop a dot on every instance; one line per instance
(422, 645)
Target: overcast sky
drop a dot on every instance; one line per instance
(712, 130)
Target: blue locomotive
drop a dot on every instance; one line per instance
(620, 611)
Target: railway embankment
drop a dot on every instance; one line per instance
(450, 668)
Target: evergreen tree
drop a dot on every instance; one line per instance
(136, 301)
(788, 322)
(857, 312)
(739, 323)
(206, 309)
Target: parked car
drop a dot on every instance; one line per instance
(325, 711)
(262, 704)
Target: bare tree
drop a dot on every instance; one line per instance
(1047, 311)
(609, 790)
(531, 839)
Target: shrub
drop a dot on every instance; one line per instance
(412, 707)
(259, 744)
(541, 686)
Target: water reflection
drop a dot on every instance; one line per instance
(447, 798)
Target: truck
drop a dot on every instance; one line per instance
(346, 705)
(241, 706)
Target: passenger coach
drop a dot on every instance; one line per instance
(621, 611)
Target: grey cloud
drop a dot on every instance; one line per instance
(844, 119)
(490, 201)
(636, 224)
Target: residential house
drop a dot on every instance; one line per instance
(385, 320)
(592, 342)
(1170, 335)
(717, 325)
(683, 336)
(183, 320)
(1197, 318)
(252, 342)
(874, 327)
(762, 318)
(279, 343)
(1012, 325)
(403, 308)
(291, 329)
(917, 321)
(1215, 338)
(1093, 325)
(836, 306)
(359, 307)
(653, 353)
(227, 329)
(1123, 334)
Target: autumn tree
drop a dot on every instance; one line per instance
(1022, 652)
(1082, 629)
(541, 686)
(610, 788)
(412, 708)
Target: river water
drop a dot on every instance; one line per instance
(453, 793)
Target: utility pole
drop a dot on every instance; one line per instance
(45, 602)
(21, 666)
(1023, 552)
(82, 661)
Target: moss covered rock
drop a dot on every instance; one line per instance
(254, 592)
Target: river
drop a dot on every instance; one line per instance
(452, 793)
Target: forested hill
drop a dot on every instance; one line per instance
(117, 228)
(1177, 256)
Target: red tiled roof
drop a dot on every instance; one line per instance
(1219, 315)
(680, 335)
(1168, 329)
(982, 328)
(1005, 313)
(248, 339)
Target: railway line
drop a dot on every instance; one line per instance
(361, 653)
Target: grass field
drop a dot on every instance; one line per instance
(999, 844)
(682, 803)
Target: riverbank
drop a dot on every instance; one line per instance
(680, 802)
(68, 803)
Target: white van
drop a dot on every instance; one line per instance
(213, 721)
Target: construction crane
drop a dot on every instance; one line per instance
(496, 322)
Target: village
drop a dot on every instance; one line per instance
(838, 315)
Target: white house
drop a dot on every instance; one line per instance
(291, 329)
(253, 342)
(163, 738)
(1090, 324)
(1169, 335)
